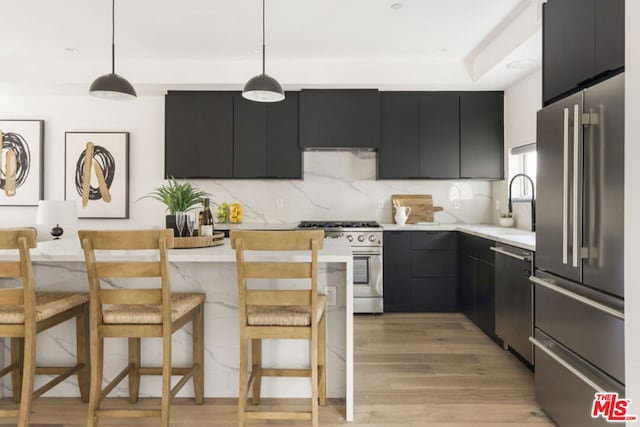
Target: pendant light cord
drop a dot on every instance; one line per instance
(113, 36)
(263, 47)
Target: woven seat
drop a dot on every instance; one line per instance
(136, 313)
(181, 304)
(274, 315)
(23, 314)
(294, 313)
(48, 304)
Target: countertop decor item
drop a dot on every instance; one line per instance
(263, 88)
(506, 219)
(421, 205)
(199, 241)
(112, 85)
(56, 212)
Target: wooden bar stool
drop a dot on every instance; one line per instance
(136, 314)
(280, 314)
(25, 312)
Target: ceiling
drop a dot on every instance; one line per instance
(167, 44)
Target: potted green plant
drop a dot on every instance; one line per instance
(506, 219)
(177, 197)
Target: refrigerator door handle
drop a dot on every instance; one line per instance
(586, 301)
(565, 189)
(577, 127)
(566, 365)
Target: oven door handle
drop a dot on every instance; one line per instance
(366, 252)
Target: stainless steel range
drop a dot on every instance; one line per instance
(365, 238)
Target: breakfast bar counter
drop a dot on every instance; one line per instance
(59, 266)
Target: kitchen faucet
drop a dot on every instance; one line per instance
(533, 198)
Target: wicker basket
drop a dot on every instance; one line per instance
(199, 241)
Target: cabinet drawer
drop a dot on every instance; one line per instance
(435, 294)
(430, 240)
(596, 336)
(434, 264)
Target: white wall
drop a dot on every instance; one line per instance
(632, 204)
(521, 102)
(336, 185)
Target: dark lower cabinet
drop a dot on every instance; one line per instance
(199, 134)
(420, 271)
(477, 281)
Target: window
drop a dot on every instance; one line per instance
(523, 159)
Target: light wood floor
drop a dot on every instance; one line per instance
(410, 370)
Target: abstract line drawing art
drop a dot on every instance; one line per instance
(21, 162)
(96, 173)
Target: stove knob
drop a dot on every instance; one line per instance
(372, 238)
(350, 238)
(361, 238)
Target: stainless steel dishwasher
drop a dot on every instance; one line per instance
(514, 314)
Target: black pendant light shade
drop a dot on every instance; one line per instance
(112, 85)
(263, 88)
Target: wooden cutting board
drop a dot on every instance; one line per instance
(421, 205)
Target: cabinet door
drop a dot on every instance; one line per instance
(568, 56)
(199, 134)
(400, 142)
(439, 135)
(434, 294)
(466, 276)
(485, 297)
(284, 157)
(481, 135)
(249, 138)
(396, 271)
(609, 32)
(340, 118)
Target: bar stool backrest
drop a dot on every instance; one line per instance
(22, 240)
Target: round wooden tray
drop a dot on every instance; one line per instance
(199, 241)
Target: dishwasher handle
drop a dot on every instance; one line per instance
(502, 251)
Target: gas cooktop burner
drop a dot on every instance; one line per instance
(338, 224)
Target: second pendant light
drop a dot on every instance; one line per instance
(263, 88)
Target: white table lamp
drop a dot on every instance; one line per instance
(56, 212)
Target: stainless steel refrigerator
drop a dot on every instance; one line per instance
(578, 281)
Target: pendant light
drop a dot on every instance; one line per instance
(112, 86)
(263, 88)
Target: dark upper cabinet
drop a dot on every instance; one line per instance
(266, 138)
(583, 40)
(400, 143)
(439, 135)
(199, 134)
(482, 135)
(340, 118)
(609, 35)
(284, 157)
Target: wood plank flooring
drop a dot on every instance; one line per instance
(410, 370)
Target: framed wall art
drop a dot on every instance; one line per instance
(97, 173)
(21, 162)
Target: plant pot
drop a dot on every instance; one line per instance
(506, 222)
(170, 222)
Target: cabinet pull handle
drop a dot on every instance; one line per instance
(565, 188)
(586, 301)
(500, 250)
(576, 180)
(566, 365)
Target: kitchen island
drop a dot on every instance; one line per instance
(59, 265)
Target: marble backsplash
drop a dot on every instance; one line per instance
(343, 185)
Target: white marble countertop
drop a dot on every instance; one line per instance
(69, 250)
(509, 236)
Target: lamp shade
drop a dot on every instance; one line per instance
(52, 212)
(263, 88)
(112, 86)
